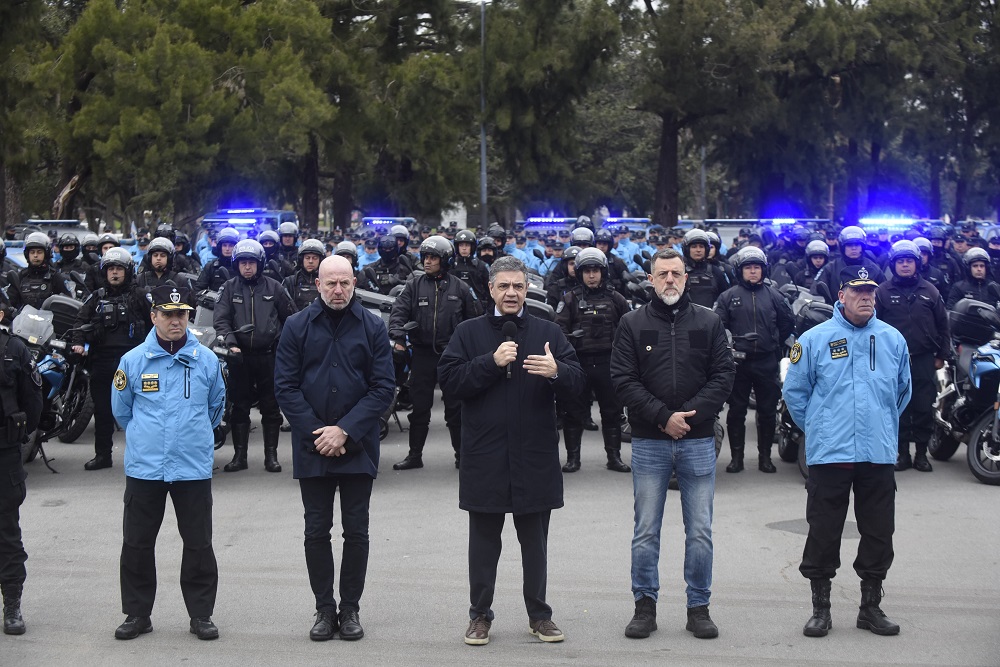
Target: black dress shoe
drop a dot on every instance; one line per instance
(350, 625)
(324, 627)
(409, 463)
(97, 463)
(588, 424)
(133, 627)
(204, 628)
(764, 464)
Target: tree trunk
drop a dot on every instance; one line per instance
(343, 198)
(310, 182)
(11, 199)
(851, 194)
(874, 185)
(934, 204)
(666, 207)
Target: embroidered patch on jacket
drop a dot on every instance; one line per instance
(150, 382)
(795, 354)
(838, 349)
(120, 379)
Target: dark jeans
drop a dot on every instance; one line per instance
(251, 376)
(917, 421)
(829, 489)
(103, 364)
(598, 374)
(423, 378)
(317, 499)
(12, 494)
(760, 374)
(484, 555)
(145, 501)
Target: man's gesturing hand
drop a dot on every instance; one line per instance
(676, 426)
(541, 364)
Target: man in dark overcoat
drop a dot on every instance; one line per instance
(508, 367)
(333, 378)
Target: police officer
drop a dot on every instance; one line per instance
(94, 278)
(302, 284)
(91, 252)
(705, 281)
(158, 265)
(471, 270)
(70, 262)
(486, 251)
(604, 241)
(402, 236)
(943, 259)
(186, 260)
(978, 283)
(220, 269)
(752, 307)
(276, 266)
(581, 238)
(119, 312)
(348, 251)
(556, 287)
(20, 407)
(593, 308)
(382, 275)
(915, 308)
(252, 298)
(32, 285)
(852, 247)
(805, 270)
(288, 234)
(928, 272)
(438, 302)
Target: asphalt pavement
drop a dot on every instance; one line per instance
(943, 588)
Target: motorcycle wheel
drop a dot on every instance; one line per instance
(984, 451)
(788, 448)
(803, 467)
(29, 450)
(78, 418)
(941, 446)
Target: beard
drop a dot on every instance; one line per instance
(335, 306)
(670, 299)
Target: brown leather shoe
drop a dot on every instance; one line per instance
(478, 633)
(545, 630)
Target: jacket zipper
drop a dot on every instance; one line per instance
(673, 359)
(187, 382)
(252, 321)
(753, 299)
(871, 351)
(434, 329)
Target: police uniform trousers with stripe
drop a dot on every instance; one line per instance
(145, 502)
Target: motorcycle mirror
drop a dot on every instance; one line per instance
(539, 254)
(637, 258)
(824, 291)
(246, 329)
(410, 326)
(577, 334)
(627, 275)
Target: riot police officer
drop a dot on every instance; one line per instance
(852, 247)
(978, 283)
(276, 266)
(38, 281)
(402, 235)
(157, 268)
(804, 271)
(185, 260)
(473, 271)
(604, 241)
(556, 287)
(252, 298)
(753, 307)
(219, 270)
(386, 272)
(70, 261)
(120, 312)
(486, 251)
(438, 302)
(349, 251)
(942, 259)
(581, 238)
(928, 272)
(288, 234)
(915, 308)
(302, 284)
(91, 252)
(593, 308)
(94, 273)
(20, 408)
(705, 280)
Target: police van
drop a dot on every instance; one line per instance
(249, 222)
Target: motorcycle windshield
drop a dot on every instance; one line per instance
(33, 326)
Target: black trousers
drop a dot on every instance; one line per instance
(829, 489)
(103, 364)
(598, 374)
(484, 555)
(423, 379)
(760, 374)
(317, 499)
(12, 494)
(251, 377)
(145, 501)
(917, 421)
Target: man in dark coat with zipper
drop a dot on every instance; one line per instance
(508, 367)
(333, 377)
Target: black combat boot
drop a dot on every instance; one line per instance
(13, 624)
(903, 461)
(271, 434)
(820, 623)
(870, 616)
(573, 435)
(701, 623)
(644, 620)
(418, 435)
(920, 461)
(737, 440)
(613, 446)
(241, 440)
(455, 431)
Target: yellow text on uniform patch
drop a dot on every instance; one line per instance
(150, 382)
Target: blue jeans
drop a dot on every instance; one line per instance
(652, 463)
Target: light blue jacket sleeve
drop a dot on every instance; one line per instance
(799, 383)
(121, 399)
(217, 396)
(904, 382)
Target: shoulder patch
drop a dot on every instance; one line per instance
(560, 307)
(36, 377)
(796, 353)
(120, 380)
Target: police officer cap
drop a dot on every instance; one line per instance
(168, 297)
(371, 243)
(856, 276)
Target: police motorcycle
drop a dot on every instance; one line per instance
(965, 408)
(218, 345)
(67, 407)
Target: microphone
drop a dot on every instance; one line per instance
(509, 332)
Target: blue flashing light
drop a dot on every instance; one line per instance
(241, 222)
(891, 224)
(783, 222)
(628, 221)
(237, 211)
(388, 221)
(550, 220)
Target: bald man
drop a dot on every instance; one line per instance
(333, 378)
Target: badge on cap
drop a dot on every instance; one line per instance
(863, 273)
(175, 296)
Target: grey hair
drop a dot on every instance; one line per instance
(668, 253)
(507, 263)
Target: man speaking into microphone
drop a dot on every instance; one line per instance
(508, 367)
